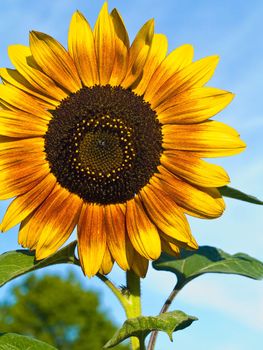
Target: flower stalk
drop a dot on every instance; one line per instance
(134, 305)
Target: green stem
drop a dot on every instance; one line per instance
(134, 308)
(165, 308)
(134, 296)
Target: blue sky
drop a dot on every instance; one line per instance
(229, 308)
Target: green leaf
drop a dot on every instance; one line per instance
(18, 262)
(12, 341)
(207, 259)
(230, 192)
(140, 327)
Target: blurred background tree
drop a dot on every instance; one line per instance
(57, 311)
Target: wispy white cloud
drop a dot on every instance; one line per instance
(226, 294)
(219, 296)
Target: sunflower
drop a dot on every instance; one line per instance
(110, 137)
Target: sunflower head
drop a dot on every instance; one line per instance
(110, 137)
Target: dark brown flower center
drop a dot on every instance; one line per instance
(103, 143)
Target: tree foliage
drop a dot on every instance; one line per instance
(57, 311)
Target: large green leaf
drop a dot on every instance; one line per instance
(207, 259)
(12, 341)
(140, 327)
(18, 262)
(230, 192)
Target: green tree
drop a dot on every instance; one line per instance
(57, 311)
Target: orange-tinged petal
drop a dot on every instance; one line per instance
(23, 205)
(105, 44)
(20, 124)
(82, 49)
(91, 238)
(27, 238)
(54, 221)
(194, 75)
(193, 169)
(122, 45)
(193, 106)
(22, 59)
(207, 139)
(156, 55)
(20, 162)
(18, 179)
(189, 197)
(13, 77)
(23, 151)
(12, 153)
(142, 232)
(166, 215)
(116, 234)
(107, 262)
(140, 265)
(54, 60)
(175, 61)
(22, 101)
(138, 53)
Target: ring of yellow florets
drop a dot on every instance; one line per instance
(103, 144)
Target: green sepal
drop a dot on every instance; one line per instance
(141, 326)
(12, 341)
(18, 262)
(230, 192)
(192, 264)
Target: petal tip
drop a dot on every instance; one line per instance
(104, 7)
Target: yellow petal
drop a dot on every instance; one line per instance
(35, 144)
(214, 193)
(175, 61)
(170, 248)
(82, 49)
(122, 45)
(105, 44)
(6, 106)
(14, 78)
(23, 205)
(194, 75)
(54, 221)
(19, 124)
(138, 53)
(156, 55)
(142, 232)
(54, 60)
(116, 234)
(167, 216)
(195, 170)
(207, 139)
(22, 101)
(195, 201)
(193, 106)
(91, 238)
(22, 59)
